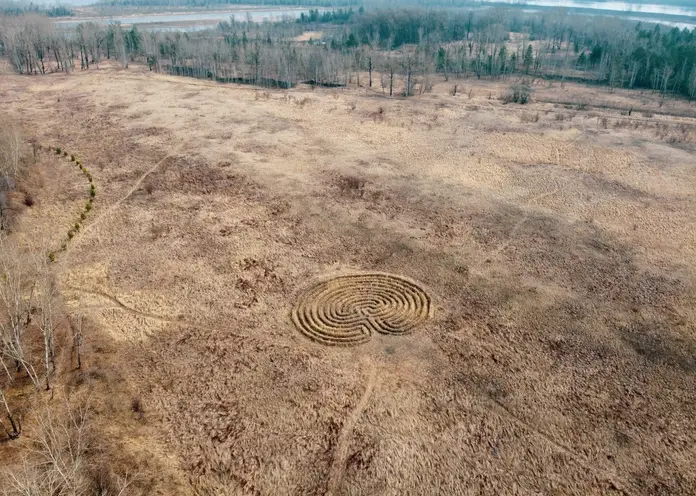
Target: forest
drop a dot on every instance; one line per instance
(205, 3)
(409, 44)
(9, 8)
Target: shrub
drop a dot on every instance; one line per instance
(136, 405)
(517, 93)
(72, 158)
(83, 216)
(88, 207)
(28, 200)
(57, 151)
(65, 154)
(71, 233)
(352, 185)
(78, 163)
(52, 257)
(77, 226)
(149, 187)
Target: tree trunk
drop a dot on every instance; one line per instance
(391, 81)
(16, 426)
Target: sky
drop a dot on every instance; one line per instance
(616, 3)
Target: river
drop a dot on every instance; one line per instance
(191, 21)
(627, 7)
(674, 15)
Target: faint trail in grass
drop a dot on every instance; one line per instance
(601, 473)
(341, 454)
(132, 190)
(100, 219)
(119, 305)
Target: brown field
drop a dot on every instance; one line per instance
(557, 247)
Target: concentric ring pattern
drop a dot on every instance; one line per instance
(347, 310)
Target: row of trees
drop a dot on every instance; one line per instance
(606, 50)
(10, 8)
(339, 16)
(27, 294)
(409, 43)
(208, 3)
(59, 454)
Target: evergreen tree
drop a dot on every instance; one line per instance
(582, 61)
(528, 59)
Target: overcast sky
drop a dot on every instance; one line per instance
(689, 3)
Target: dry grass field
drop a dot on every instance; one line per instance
(556, 247)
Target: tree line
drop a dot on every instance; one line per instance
(10, 8)
(605, 50)
(60, 451)
(407, 44)
(206, 3)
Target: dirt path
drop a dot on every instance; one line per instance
(158, 318)
(339, 458)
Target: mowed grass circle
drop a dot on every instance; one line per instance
(348, 310)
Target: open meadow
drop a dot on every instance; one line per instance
(548, 253)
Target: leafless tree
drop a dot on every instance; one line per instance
(16, 297)
(47, 293)
(56, 461)
(78, 339)
(10, 150)
(14, 423)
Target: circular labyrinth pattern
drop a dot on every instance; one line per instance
(347, 310)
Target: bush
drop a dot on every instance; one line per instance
(52, 257)
(83, 216)
(57, 151)
(77, 226)
(72, 158)
(65, 154)
(28, 200)
(71, 233)
(517, 93)
(352, 185)
(88, 207)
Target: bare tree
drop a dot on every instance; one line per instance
(78, 339)
(56, 463)
(47, 295)
(14, 423)
(16, 297)
(10, 151)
